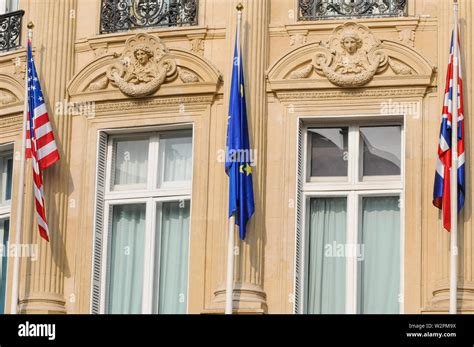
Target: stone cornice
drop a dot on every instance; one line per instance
(6, 58)
(191, 102)
(13, 120)
(174, 34)
(336, 94)
(372, 23)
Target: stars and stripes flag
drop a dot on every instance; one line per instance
(442, 185)
(40, 144)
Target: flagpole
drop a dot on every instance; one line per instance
(229, 291)
(20, 195)
(454, 172)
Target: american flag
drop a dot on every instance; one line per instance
(442, 185)
(40, 143)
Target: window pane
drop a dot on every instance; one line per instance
(4, 235)
(131, 164)
(6, 167)
(379, 282)
(326, 266)
(329, 152)
(175, 159)
(171, 272)
(8, 188)
(381, 150)
(125, 259)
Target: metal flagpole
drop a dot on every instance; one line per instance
(229, 291)
(454, 172)
(21, 186)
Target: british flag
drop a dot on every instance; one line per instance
(40, 144)
(442, 184)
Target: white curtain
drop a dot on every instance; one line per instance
(326, 269)
(125, 260)
(379, 280)
(131, 162)
(4, 230)
(176, 158)
(11, 5)
(171, 276)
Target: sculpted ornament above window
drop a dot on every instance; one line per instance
(7, 98)
(350, 58)
(143, 66)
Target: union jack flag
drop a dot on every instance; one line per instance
(40, 143)
(442, 184)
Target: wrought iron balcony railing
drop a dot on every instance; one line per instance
(327, 9)
(10, 30)
(122, 15)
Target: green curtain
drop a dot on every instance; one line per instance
(171, 277)
(326, 271)
(125, 260)
(379, 280)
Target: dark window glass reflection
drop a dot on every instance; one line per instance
(381, 150)
(329, 155)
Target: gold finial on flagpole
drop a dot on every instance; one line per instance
(30, 27)
(239, 7)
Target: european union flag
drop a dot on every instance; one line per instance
(238, 158)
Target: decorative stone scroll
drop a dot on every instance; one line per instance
(143, 66)
(350, 58)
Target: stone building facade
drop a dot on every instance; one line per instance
(139, 106)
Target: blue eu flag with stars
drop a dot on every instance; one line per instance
(238, 159)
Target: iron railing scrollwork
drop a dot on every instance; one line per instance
(122, 15)
(10, 30)
(327, 9)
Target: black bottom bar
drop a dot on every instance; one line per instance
(316, 330)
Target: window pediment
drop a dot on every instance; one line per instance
(145, 67)
(352, 57)
(11, 94)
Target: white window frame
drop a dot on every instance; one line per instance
(354, 188)
(151, 197)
